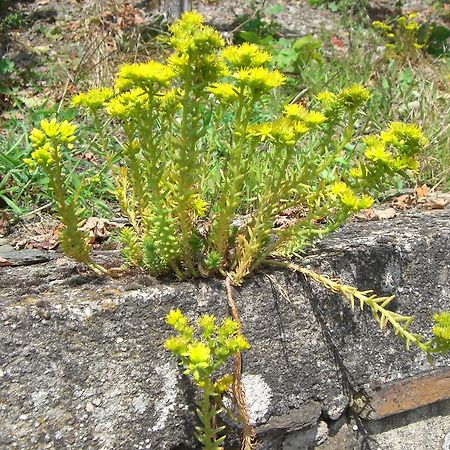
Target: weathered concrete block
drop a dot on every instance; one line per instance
(83, 365)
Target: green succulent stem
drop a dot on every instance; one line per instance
(377, 305)
(185, 171)
(207, 412)
(233, 178)
(72, 239)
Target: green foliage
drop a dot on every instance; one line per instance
(12, 21)
(343, 6)
(202, 352)
(441, 331)
(184, 185)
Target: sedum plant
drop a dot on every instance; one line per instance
(206, 168)
(207, 165)
(402, 36)
(201, 358)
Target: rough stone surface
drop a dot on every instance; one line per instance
(82, 364)
(421, 429)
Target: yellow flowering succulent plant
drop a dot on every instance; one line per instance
(201, 358)
(196, 131)
(402, 36)
(206, 167)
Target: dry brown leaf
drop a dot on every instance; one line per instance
(435, 203)
(422, 191)
(5, 263)
(405, 201)
(388, 213)
(97, 229)
(366, 214)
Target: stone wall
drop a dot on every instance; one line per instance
(82, 364)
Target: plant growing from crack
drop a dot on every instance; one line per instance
(202, 357)
(207, 167)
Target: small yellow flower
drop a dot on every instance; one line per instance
(339, 188)
(353, 96)
(381, 26)
(176, 344)
(356, 172)
(43, 156)
(188, 21)
(207, 324)
(228, 327)
(261, 130)
(54, 133)
(200, 206)
(224, 92)
(378, 152)
(284, 132)
(174, 316)
(294, 111)
(37, 137)
(93, 99)
(126, 104)
(330, 103)
(314, 119)
(246, 55)
(408, 138)
(199, 354)
(259, 79)
(150, 74)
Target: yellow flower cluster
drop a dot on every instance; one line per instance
(190, 35)
(382, 26)
(47, 141)
(127, 104)
(350, 98)
(199, 206)
(298, 113)
(93, 99)
(376, 150)
(328, 100)
(259, 79)
(348, 198)
(202, 356)
(396, 147)
(354, 96)
(402, 34)
(246, 55)
(407, 138)
(281, 131)
(408, 23)
(148, 75)
(226, 93)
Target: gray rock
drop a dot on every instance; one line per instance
(69, 339)
(24, 257)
